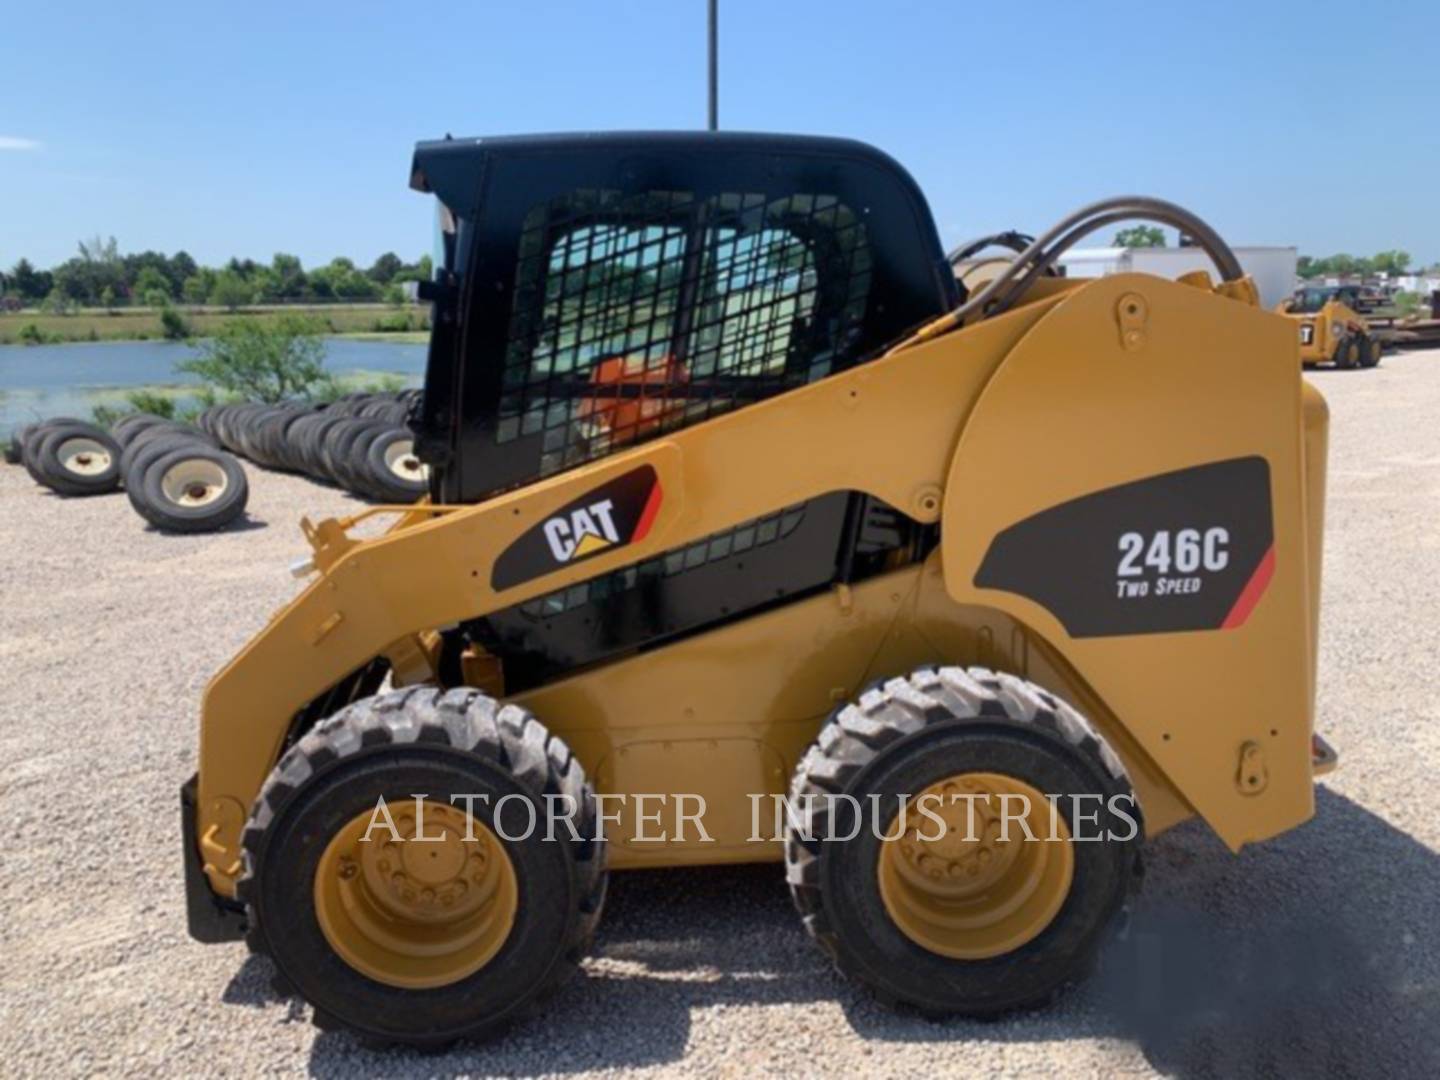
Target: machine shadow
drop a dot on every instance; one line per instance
(1296, 958)
(671, 941)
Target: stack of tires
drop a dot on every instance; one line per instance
(175, 476)
(359, 442)
(71, 457)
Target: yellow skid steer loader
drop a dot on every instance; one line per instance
(1330, 330)
(760, 531)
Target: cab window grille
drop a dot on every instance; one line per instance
(634, 315)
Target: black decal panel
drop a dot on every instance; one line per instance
(1186, 550)
(613, 515)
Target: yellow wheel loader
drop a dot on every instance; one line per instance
(1330, 330)
(760, 531)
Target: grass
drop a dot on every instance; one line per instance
(401, 337)
(374, 321)
(185, 401)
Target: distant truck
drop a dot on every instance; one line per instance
(1272, 268)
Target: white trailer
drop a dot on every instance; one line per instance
(1273, 268)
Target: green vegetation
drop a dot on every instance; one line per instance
(401, 322)
(1140, 236)
(1406, 304)
(143, 400)
(31, 334)
(397, 337)
(173, 325)
(255, 361)
(1384, 262)
(184, 401)
(149, 324)
(99, 276)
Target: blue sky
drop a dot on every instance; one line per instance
(260, 127)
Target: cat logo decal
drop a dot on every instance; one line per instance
(618, 513)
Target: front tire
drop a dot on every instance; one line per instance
(967, 920)
(1347, 353)
(389, 959)
(1370, 350)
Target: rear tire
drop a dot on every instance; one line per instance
(917, 733)
(439, 744)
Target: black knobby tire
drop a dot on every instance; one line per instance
(60, 470)
(1370, 351)
(1341, 356)
(439, 743)
(905, 735)
(168, 514)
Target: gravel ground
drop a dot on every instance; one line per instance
(1312, 955)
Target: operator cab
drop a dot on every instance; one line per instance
(602, 290)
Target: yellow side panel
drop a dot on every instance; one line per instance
(723, 715)
(727, 714)
(1093, 398)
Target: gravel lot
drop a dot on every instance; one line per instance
(1316, 954)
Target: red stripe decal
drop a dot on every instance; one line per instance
(647, 516)
(1250, 595)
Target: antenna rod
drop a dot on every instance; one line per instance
(714, 43)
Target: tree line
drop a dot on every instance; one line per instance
(99, 276)
(1391, 263)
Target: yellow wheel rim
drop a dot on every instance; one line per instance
(417, 909)
(1352, 353)
(976, 888)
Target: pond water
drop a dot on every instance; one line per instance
(41, 381)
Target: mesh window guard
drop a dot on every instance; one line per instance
(637, 314)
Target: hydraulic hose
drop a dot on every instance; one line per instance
(1042, 253)
(1015, 241)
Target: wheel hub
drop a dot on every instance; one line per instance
(973, 885)
(194, 482)
(425, 906)
(84, 457)
(401, 460)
